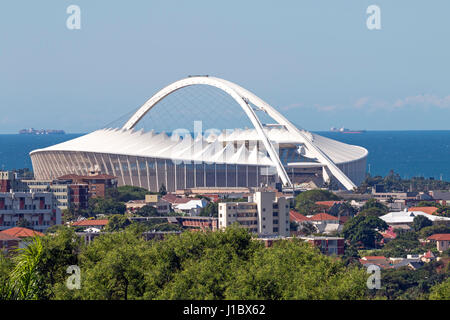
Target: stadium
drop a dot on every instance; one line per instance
(268, 150)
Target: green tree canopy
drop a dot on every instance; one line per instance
(420, 222)
(373, 203)
(364, 230)
(305, 202)
(147, 211)
(117, 222)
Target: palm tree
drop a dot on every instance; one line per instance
(24, 278)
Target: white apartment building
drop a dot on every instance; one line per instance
(39, 209)
(263, 214)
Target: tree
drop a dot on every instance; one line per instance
(25, 280)
(106, 206)
(374, 211)
(296, 270)
(307, 228)
(441, 291)
(6, 266)
(373, 203)
(420, 222)
(147, 211)
(59, 251)
(305, 202)
(163, 190)
(211, 210)
(117, 222)
(23, 223)
(364, 230)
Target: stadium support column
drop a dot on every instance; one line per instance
(326, 174)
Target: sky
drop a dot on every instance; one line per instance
(315, 61)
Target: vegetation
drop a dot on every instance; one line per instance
(420, 222)
(363, 230)
(117, 222)
(147, 211)
(193, 265)
(211, 210)
(127, 193)
(393, 182)
(305, 202)
(404, 283)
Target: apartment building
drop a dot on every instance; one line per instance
(263, 214)
(39, 209)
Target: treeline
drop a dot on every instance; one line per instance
(198, 265)
(393, 182)
(194, 265)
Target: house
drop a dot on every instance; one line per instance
(8, 242)
(427, 210)
(442, 241)
(18, 236)
(380, 261)
(297, 217)
(163, 207)
(91, 223)
(407, 217)
(192, 207)
(325, 223)
(21, 233)
(428, 256)
(388, 234)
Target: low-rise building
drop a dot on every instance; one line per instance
(163, 207)
(263, 214)
(98, 184)
(327, 245)
(91, 223)
(17, 237)
(407, 217)
(442, 241)
(38, 209)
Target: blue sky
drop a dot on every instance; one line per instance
(315, 61)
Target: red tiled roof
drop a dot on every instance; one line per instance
(88, 223)
(440, 237)
(298, 217)
(175, 200)
(7, 237)
(322, 216)
(389, 233)
(22, 232)
(428, 210)
(429, 254)
(327, 204)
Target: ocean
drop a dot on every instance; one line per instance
(409, 153)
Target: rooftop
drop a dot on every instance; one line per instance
(20, 232)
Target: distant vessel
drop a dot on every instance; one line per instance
(345, 130)
(41, 131)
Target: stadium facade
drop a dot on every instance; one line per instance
(263, 155)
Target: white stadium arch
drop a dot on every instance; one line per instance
(146, 158)
(242, 97)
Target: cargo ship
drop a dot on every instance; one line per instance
(345, 130)
(41, 131)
